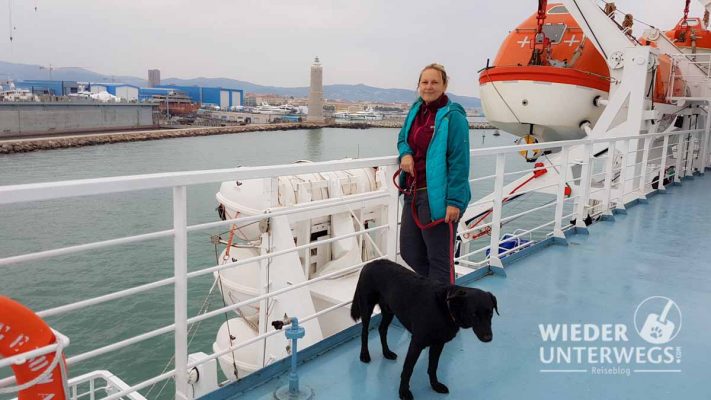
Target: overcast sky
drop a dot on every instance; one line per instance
(380, 43)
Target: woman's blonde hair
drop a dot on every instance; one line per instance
(436, 67)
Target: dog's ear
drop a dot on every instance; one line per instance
(493, 300)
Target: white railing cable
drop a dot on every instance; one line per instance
(201, 317)
(101, 299)
(255, 299)
(40, 255)
(74, 188)
(282, 252)
(482, 178)
(119, 345)
(294, 209)
(168, 233)
(521, 214)
(142, 385)
(143, 288)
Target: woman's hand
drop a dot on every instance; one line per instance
(452, 214)
(407, 164)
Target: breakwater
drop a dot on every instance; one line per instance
(24, 145)
(395, 124)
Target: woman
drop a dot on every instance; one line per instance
(434, 157)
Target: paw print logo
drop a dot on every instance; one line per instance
(657, 320)
(655, 332)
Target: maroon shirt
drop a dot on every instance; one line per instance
(420, 136)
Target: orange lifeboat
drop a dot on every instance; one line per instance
(691, 36)
(21, 330)
(547, 75)
(548, 94)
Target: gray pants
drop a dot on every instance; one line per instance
(430, 251)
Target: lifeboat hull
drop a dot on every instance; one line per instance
(545, 101)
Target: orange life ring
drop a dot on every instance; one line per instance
(21, 330)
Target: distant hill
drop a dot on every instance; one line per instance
(30, 71)
(357, 92)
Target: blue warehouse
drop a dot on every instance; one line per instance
(225, 98)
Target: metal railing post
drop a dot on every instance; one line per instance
(663, 165)
(679, 157)
(392, 216)
(560, 198)
(609, 170)
(180, 265)
(494, 261)
(689, 162)
(266, 248)
(705, 142)
(584, 186)
(643, 174)
(620, 204)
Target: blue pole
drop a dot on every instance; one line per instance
(293, 378)
(294, 332)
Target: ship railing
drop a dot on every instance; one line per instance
(599, 174)
(689, 77)
(691, 149)
(99, 384)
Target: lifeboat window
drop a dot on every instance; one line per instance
(558, 10)
(692, 22)
(554, 32)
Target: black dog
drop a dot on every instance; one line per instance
(433, 312)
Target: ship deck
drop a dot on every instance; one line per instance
(658, 248)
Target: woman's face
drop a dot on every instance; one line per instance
(431, 85)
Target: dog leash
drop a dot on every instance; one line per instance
(413, 208)
(411, 190)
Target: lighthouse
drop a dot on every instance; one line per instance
(316, 93)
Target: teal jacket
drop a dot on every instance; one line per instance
(447, 160)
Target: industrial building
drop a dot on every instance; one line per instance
(121, 90)
(224, 98)
(51, 88)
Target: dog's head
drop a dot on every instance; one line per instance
(473, 308)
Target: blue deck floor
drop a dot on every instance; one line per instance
(660, 248)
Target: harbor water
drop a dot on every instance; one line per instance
(61, 280)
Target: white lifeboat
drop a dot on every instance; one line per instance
(246, 281)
